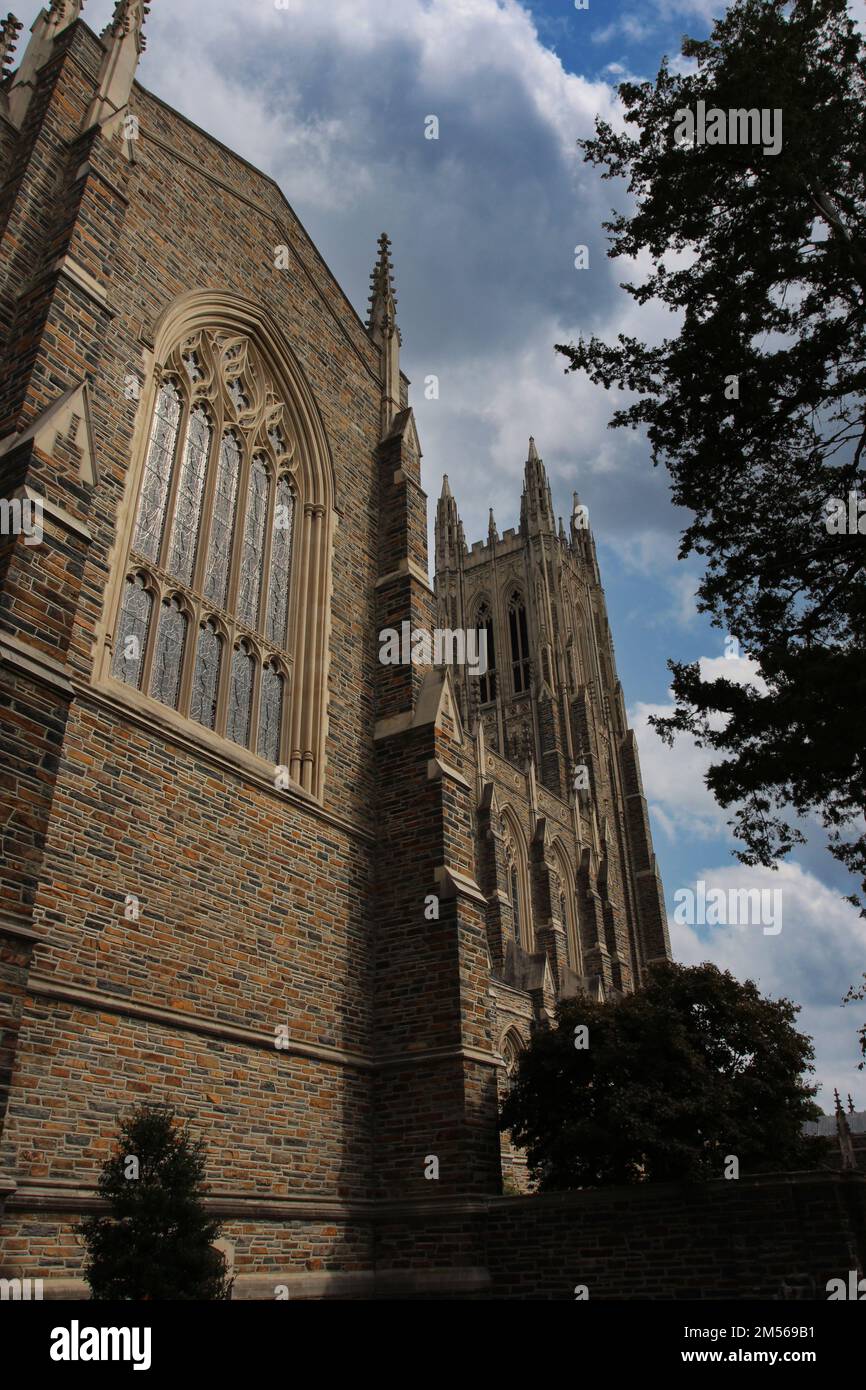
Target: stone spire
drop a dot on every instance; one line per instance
(124, 42)
(579, 519)
(492, 533)
(843, 1132)
(43, 31)
(449, 536)
(536, 504)
(382, 315)
(382, 327)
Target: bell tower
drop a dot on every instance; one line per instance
(550, 703)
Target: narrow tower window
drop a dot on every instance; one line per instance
(515, 905)
(519, 643)
(487, 684)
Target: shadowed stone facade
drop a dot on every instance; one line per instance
(214, 872)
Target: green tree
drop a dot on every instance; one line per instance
(757, 403)
(691, 1068)
(157, 1242)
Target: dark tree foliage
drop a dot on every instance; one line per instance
(157, 1242)
(854, 993)
(763, 259)
(693, 1067)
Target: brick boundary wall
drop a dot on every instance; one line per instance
(777, 1236)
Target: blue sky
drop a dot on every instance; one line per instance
(331, 100)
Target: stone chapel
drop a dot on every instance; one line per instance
(222, 816)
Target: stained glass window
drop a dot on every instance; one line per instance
(270, 714)
(132, 631)
(206, 676)
(157, 473)
(253, 552)
(168, 653)
(281, 556)
(222, 521)
(212, 506)
(240, 696)
(187, 507)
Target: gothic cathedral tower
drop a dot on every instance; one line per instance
(551, 706)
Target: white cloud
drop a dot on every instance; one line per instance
(818, 953)
(674, 779)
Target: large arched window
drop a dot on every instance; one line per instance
(519, 643)
(203, 622)
(487, 683)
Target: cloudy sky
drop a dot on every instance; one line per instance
(331, 99)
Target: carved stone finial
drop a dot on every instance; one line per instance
(383, 301)
(383, 330)
(64, 12)
(10, 28)
(128, 18)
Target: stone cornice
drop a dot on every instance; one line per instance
(19, 927)
(33, 663)
(81, 996)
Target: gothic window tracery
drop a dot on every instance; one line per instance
(209, 577)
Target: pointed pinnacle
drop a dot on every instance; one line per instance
(533, 452)
(382, 282)
(128, 15)
(446, 487)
